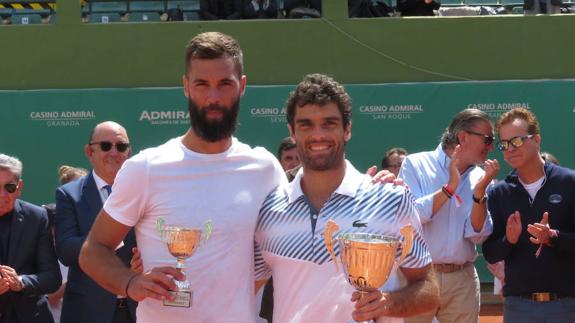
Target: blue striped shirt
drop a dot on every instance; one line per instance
(289, 243)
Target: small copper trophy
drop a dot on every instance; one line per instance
(182, 243)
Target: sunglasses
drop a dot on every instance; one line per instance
(10, 187)
(516, 142)
(106, 146)
(488, 140)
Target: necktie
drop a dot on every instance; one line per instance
(108, 189)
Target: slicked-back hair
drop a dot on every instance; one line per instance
(319, 89)
(522, 114)
(11, 164)
(214, 45)
(463, 121)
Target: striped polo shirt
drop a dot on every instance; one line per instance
(289, 244)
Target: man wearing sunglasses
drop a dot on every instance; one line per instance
(28, 265)
(77, 204)
(449, 186)
(533, 212)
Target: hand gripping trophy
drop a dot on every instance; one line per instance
(367, 258)
(182, 242)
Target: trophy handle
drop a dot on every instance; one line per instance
(407, 233)
(160, 222)
(331, 227)
(207, 231)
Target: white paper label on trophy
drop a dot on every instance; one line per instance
(183, 299)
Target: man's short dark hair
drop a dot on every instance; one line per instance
(464, 120)
(320, 90)
(214, 45)
(395, 150)
(286, 144)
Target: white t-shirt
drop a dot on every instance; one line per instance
(185, 188)
(534, 187)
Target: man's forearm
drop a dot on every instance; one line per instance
(102, 265)
(478, 215)
(478, 210)
(439, 199)
(417, 297)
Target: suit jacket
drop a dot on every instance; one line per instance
(31, 254)
(77, 205)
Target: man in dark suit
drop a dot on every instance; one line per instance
(29, 268)
(77, 204)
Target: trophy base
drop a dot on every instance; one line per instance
(183, 299)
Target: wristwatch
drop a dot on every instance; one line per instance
(481, 200)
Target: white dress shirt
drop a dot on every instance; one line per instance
(101, 185)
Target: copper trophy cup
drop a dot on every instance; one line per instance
(182, 243)
(367, 258)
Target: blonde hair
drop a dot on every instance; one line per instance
(521, 114)
(67, 173)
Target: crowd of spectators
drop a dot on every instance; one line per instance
(258, 9)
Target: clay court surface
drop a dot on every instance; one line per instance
(491, 305)
(491, 313)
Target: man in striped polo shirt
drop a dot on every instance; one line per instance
(289, 242)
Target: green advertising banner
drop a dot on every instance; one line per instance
(48, 128)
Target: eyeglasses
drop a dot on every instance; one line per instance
(488, 140)
(106, 146)
(516, 142)
(10, 187)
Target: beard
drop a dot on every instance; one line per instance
(214, 130)
(328, 161)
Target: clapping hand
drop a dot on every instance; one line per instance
(4, 285)
(541, 233)
(513, 228)
(11, 276)
(454, 175)
(491, 167)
